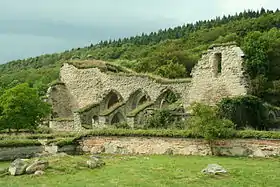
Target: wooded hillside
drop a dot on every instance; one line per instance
(172, 53)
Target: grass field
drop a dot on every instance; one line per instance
(152, 171)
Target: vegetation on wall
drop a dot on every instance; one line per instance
(245, 112)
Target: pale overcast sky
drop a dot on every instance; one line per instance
(33, 27)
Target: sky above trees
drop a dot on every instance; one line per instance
(34, 27)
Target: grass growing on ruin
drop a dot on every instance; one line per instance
(152, 171)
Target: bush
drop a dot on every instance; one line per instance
(43, 130)
(244, 111)
(160, 119)
(122, 126)
(206, 123)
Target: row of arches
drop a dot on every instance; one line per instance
(137, 98)
(140, 97)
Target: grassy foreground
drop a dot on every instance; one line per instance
(152, 171)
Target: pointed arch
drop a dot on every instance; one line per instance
(137, 98)
(117, 118)
(113, 97)
(167, 97)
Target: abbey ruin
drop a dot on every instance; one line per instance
(104, 95)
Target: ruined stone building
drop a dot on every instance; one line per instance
(105, 94)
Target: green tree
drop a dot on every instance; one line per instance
(207, 123)
(21, 108)
(171, 70)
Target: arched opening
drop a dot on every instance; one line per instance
(143, 100)
(271, 116)
(137, 98)
(117, 118)
(112, 98)
(166, 98)
(217, 60)
(95, 120)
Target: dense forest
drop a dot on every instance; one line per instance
(172, 53)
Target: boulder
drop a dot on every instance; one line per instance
(18, 167)
(39, 172)
(95, 162)
(214, 169)
(37, 165)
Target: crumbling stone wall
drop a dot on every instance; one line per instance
(89, 85)
(61, 101)
(218, 74)
(180, 146)
(209, 85)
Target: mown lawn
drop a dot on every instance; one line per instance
(152, 171)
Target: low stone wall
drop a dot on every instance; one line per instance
(11, 153)
(146, 145)
(64, 125)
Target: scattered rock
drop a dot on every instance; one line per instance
(18, 167)
(95, 162)
(214, 169)
(37, 165)
(39, 172)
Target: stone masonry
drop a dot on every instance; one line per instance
(96, 98)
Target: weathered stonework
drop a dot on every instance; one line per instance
(180, 146)
(11, 153)
(62, 125)
(96, 98)
(209, 85)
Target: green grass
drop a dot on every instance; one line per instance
(152, 171)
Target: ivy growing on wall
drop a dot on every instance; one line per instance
(245, 111)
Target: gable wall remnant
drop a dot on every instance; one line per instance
(218, 74)
(209, 85)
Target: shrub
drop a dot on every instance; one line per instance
(244, 111)
(160, 119)
(206, 123)
(122, 126)
(43, 130)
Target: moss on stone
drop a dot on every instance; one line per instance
(56, 82)
(87, 108)
(62, 119)
(112, 109)
(19, 142)
(222, 44)
(140, 108)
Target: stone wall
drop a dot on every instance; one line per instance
(11, 153)
(209, 85)
(61, 101)
(90, 85)
(146, 145)
(217, 75)
(62, 125)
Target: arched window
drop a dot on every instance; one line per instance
(143, 100)
(112, 98)
(137, 98)
(95, 120)
(117, 118)
(166, 98)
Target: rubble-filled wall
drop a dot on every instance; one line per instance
(61, 101)
(218, 74)
(99, 97)
(90, 85)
